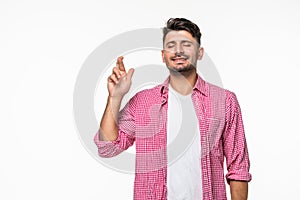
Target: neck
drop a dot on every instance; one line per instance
(183, 82)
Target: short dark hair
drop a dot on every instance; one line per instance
(182, 24)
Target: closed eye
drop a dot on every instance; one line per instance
(171, 46)
(187, 44)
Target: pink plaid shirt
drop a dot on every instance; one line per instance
(143, 121)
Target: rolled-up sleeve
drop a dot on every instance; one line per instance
(126, 137)
(235, 146)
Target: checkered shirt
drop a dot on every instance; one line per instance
(143, 120)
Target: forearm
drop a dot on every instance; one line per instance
(238, 190)
(109, 122)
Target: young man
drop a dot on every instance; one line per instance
(154, 117)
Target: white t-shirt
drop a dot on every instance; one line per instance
(184, 175)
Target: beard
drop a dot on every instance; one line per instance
(182, 69)
(175, 65)
(186, 67)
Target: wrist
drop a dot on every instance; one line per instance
(115, 100)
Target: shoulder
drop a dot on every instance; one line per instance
(151, 91)
(225, 98)
(148, 95)
(223, 102)
(218, 94)
(217, 91)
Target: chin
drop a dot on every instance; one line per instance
(181, 69)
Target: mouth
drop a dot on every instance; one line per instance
(179, 60)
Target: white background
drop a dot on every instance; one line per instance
(255, 46)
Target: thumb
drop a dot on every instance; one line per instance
(130, 73)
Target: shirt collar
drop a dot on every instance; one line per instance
(200, 85)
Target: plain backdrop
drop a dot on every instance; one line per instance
(43, 44)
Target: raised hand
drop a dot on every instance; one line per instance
(119, 81)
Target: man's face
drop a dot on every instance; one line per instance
(181, 51)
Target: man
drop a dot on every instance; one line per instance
(152, 119)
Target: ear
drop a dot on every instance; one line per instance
(163, 56)
(200, 53)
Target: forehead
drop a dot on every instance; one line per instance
(177, 36)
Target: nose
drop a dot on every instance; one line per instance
(179, 49)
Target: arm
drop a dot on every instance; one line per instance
(238, 190)
(118, 85)
(109, 125)
(235, 149)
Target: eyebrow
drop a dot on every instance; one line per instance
(182, 41)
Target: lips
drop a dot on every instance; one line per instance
(179, 60)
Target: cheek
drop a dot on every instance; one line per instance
(164, 58)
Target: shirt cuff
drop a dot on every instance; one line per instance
(238, 176)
